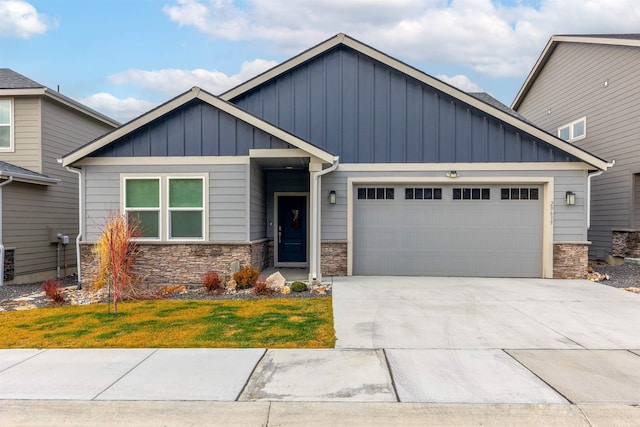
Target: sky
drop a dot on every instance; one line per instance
(124, 57)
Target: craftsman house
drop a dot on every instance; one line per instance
(341, 160)
(38, 198)
(585, 89)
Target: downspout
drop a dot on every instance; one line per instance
(79, 237)
(315, 203)
(589, 177)
(8, 181)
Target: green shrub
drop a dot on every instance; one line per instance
(298, 287)
(246, 277)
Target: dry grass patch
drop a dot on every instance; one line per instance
(272, 323)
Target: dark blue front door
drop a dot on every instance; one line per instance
(292, 229)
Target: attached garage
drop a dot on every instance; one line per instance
(448, 230)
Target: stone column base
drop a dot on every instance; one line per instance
(333, 258)
(570, 260)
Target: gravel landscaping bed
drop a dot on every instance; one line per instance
(29, 296)
(622, 276)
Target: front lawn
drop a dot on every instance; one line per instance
(271, 323)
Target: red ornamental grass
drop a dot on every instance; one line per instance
(51, 288)
(211, 281)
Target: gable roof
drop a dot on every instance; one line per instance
(631, 40)
(9, 79)
(179, 101)
(487, 107)
(15, 84)
(25, 175)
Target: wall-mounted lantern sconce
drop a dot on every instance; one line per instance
(332, 197)
(452, 174)
(570, 198)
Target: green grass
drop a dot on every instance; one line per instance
(272, 323)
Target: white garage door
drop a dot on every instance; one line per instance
(448, 230)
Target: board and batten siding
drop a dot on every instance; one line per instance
(569, 221)
(26, 134)
(366, 112)
(571, 86)
(194, 129)
(228, 197)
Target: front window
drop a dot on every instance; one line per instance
(5, 125)
(186, 208)
(142, 203)
(166, 208)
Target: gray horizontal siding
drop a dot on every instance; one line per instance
(228, 221)
(29, 211)
(569, 221)
(366, 112)
(195, 129)
(571, 86)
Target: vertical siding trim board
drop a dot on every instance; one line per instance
(547, 225)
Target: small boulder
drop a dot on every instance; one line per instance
(275, 282)
(318, 290)
(285, 290)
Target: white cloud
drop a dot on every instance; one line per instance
(120, 109)
(461, 82)
(21, 19)
(172, 82)
(488, 36)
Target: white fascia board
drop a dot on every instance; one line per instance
(22, 92)
(29, 179)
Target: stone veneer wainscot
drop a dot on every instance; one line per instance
(182, 263)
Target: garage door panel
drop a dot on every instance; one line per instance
(448, 237)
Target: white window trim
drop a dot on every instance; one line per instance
(10, 148)
(163, 219)
(572, 138)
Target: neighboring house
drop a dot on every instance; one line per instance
(342, 160)
(39, 198)
(586, 90)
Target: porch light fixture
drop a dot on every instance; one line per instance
(452, 174)
(332, 197)
(570, 198)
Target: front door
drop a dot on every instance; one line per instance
(291, 232)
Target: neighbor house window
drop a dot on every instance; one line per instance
(574, 130)
(167, 207)
(6, 133)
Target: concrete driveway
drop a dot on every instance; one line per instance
(483, 313)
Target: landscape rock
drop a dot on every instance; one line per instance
(232, 286)
(285, 290)
(318, 290)
(633, 289)
(275, 282)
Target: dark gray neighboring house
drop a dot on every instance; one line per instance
(341, 160)
(586, 90)
(38, 198)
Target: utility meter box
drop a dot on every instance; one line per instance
(64, 239)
